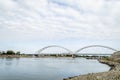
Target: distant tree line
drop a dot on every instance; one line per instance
(9, 52)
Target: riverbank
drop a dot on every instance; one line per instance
(15, 56)
(112, 74)
(31, 56)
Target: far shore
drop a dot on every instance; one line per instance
(48, 56)
(30, 56)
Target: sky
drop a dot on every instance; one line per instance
(29, 25)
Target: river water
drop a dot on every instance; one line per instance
(47, 68)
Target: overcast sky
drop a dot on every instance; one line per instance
(28, 25)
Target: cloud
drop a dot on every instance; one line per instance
(53, 19)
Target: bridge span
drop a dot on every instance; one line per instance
(95, 46)
(73, 54)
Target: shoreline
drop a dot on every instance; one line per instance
(112, 74)
(29, 56)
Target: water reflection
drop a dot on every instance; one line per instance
(47, 68)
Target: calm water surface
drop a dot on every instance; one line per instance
(47, 68)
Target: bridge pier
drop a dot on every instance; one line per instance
(41, 55)
(65, 55)
(57, 55)
(73, 56)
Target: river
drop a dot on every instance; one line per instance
(47, 68)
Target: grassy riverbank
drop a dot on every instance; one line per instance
(112, 74)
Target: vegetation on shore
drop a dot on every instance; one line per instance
(10, 52)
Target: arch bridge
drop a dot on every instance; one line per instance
(39, 52)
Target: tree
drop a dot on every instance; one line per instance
(10, 52)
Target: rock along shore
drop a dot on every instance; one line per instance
(112, 74)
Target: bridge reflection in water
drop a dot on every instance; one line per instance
(69, 53)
